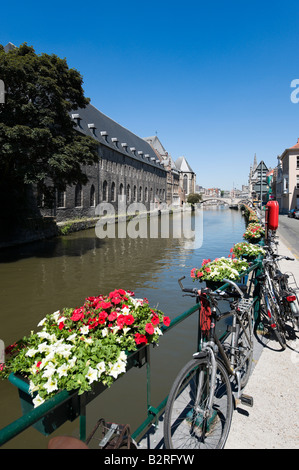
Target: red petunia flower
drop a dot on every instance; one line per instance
(140, 339)
(155, 319)
(149, 329)
(129, 319)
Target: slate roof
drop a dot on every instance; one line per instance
(94, 123)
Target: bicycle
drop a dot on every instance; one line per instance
(199, 408)
(286, 293)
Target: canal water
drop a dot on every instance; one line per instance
(42, 277)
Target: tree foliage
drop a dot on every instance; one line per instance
(194, 198)
(38, 142)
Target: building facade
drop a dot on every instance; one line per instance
(173, 191)
(289, 179)
(187, 176)
(128, 170)
(257, 181)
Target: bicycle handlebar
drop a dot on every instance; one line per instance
(211, 293)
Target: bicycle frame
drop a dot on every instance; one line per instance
(213, 346)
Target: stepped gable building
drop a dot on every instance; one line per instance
(257, 180)
(128, 167)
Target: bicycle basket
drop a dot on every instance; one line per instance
(110, 436)
(245, 304)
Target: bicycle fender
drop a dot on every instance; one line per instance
(294, 309)
(200, 354)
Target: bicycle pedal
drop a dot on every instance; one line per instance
(246, 400)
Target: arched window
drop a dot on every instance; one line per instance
(92, 202)
(121, 191)
(105, 191)
(60, 198)
(140, 193)
(128, 193)
(113, 192)
(146, 195)
(78, 195)
(135, 194)
(185, 184)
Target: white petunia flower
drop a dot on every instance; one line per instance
(62, 370)
(84, 330)
(122, 356)
(31, 352)
(72, 362)
(51, 385)
(125, 310)
(118, 368)
(55, 315)
(105, 332)
(37, 401)
(92, 375)
(88, 340)
(32, 387)
(43, 334)
(50, 370)
(72, 337)
(41, 323)
(101, 368)
(43, 347)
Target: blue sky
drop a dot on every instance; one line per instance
(212, 79)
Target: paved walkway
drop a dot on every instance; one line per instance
(273, 421)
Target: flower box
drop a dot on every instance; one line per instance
(246, 250)
(86, 348)
(213, 272)
(68, 410)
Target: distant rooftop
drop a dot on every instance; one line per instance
(9, 47)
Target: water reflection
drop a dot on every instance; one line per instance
(40, 278)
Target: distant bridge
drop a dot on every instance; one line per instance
(225, 200)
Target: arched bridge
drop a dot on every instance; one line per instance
(224, 200)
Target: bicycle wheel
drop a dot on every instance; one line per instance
(187, 424)
(274, 319)
(244, 351)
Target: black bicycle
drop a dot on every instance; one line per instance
(200, 403)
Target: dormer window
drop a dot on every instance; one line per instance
(92, 128)
(76, 118)
(115, 140)
(104, 134)
(124, 145)
(140, 153)
(133, 150)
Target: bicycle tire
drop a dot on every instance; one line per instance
(242, 349)
(276, 324)
(186, 428)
